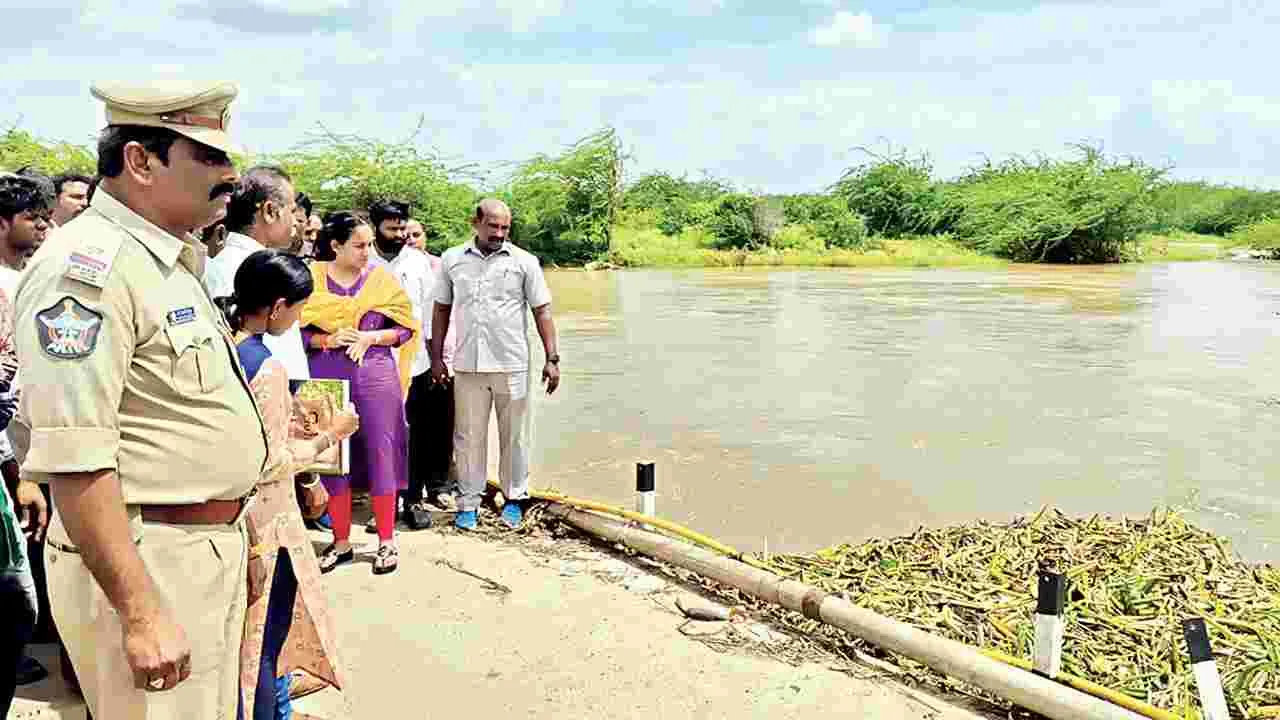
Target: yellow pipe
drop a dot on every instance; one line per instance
(680, 531)
(1094, 689)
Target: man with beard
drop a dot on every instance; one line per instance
(72, 191)
(141, 420)
(429, 407)
(260, 215)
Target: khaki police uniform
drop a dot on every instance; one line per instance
(128, 365)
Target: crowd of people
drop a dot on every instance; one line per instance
(156, 322)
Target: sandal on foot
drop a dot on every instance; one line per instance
(443, 501)
(386, 561)
(331, 558)
(417, 516)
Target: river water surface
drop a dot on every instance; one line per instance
(795, 409)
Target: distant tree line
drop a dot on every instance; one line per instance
(1085, 208)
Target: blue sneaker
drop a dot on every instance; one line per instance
(284, 706)
(512, 515)
(465, 520)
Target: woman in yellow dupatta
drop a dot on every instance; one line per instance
(359, 326)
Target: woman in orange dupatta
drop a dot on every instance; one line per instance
(288, 626)
(359, 326)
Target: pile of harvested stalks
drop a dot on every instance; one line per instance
(1132, 583)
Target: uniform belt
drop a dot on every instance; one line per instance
(210, 512)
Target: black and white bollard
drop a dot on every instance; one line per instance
(1050, 627)
(646, 497)
(1213, 703)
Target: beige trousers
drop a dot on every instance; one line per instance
(475, 396)
(201, 573)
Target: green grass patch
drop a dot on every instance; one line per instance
(694, 247)
(1180, 246)
(1259, 235)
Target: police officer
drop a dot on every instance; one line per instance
(141, 419)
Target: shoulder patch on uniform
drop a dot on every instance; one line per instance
(91, 262)
(68, 330)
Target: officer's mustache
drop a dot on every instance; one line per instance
(221, 189)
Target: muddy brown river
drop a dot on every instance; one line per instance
(795, 409)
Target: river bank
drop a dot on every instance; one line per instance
(650, 248)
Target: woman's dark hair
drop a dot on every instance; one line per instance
(304, 202)
(337, 230)
(263, 278)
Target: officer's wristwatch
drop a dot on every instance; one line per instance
(554, 359)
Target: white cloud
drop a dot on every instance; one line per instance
(959, 84)
(847, 29)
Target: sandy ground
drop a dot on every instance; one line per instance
(580, 633)
(540, 628)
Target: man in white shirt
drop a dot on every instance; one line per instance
(259, 216)
(429, 405)
(492, 284)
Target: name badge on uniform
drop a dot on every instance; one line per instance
(182, 316)
(91, 262)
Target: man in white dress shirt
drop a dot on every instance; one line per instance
(260, 216)
(486, 288)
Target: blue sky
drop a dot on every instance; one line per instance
(770, 95)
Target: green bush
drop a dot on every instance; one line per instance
(676, 217)
(1210, 209)
(895, 195)
(564, 207)
(20, 149)
(351, 173)
(1248, 207)
(679, 202)
(830, 219)
(733, 222)
(1085, 210)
